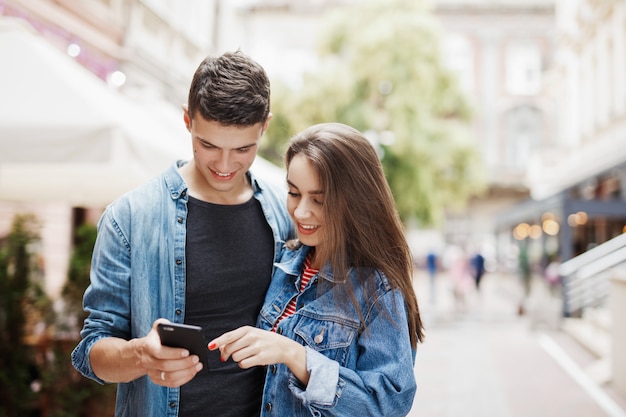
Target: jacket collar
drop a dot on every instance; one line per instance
(293, 259)
(178, 188)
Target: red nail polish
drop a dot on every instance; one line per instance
(212, 346)
(222, 359)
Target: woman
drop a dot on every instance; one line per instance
(340, 322)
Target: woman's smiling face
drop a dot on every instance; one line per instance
(305, 201)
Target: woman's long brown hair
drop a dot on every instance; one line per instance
(362, 225)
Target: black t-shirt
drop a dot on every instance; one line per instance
(229, 259)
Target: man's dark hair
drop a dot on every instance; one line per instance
(231, 89)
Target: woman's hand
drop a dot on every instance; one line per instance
(250, 346)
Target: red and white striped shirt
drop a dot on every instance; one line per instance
(307, 274)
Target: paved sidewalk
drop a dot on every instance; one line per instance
(486, 361)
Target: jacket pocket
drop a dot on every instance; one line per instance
(329, 336)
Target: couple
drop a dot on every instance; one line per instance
(325, 324)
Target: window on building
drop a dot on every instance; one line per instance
(523, 68)
(458, 56)
(523, 130)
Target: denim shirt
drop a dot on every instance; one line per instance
(357, 367)
(138, 275)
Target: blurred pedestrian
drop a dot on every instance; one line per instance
(195, 245)
(460, 277)
(478, 269)
(340, 323)
(552, 276)
(525, 274)
(432, 267)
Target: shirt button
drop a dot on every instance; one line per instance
(268, 407)
(273, 369)
(184, 193)
(178, 312)
(279, 330)
(178, 262)
(180, 220)
(172, 404)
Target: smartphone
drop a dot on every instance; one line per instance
(185, 336)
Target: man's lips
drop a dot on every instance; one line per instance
(223, 176)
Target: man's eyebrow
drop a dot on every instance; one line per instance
(206, 142)
(247, 146)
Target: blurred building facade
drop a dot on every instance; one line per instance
(501, 52)
(577, 180)
(154, 44)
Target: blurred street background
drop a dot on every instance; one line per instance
(501, 126)
(484, 359)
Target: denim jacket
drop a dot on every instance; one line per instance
(138, 275)
(357, 367)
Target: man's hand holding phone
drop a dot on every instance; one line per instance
(166, 365)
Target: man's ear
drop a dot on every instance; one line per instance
(267, 122)
(186, 117)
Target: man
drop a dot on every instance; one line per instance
(195, 245)
(431, 266)
(478, 269)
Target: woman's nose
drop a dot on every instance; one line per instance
(302, 210)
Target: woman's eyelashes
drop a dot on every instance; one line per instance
(316, 200)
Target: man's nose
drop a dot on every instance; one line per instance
(224, 162)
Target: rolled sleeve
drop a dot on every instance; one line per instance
(324, 387)
(80, 359)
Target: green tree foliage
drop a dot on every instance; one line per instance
(381, 71)
(78, 274)
(18, 292)
(36, 374)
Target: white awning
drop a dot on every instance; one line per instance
(66, 137)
